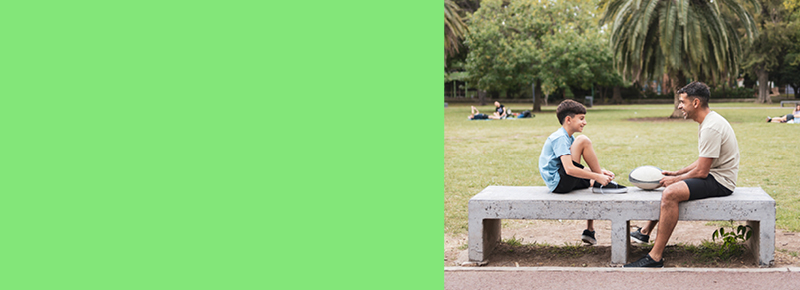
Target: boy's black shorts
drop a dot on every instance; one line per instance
(568, 182)
(700, 188)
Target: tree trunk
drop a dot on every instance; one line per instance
(482, 97)
(796, 91)
(763, 82)
(538, 94)
(617, 97)
(675, 82)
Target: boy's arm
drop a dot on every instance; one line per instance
(572, 170)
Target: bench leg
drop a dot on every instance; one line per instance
(483, 234)
(762, 242)
(620, 242)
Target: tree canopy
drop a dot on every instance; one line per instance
(554, 43)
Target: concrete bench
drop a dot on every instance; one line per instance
(490, 206)
(789, 102)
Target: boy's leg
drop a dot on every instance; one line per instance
(582, 148)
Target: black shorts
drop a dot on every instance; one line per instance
(480, 117)
(789, 117)
(700, 188)
(568, 182)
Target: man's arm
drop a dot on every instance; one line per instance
(698, 169)
(572, 170)
(681, 171)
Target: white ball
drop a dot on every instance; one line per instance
(646, 177)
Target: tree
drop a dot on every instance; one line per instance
(766, 53)
(789, 74)
(677, 39)
(454, 28)
(552, 45)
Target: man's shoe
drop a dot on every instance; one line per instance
(639, 237)
(588, 237)
(646, 262)
(611, 187)
(769, 119)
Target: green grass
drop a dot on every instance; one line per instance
(506, 152)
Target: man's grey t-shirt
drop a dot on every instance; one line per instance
(717, 140)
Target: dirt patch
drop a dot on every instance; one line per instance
(543, 243)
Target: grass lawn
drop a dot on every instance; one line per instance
(506, 152)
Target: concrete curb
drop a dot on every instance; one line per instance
(616, 269)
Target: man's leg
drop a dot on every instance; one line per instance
(673, 194)
(648, 228)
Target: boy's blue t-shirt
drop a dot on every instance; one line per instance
(556, 146)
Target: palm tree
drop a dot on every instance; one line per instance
(675, 39)
(454, 27)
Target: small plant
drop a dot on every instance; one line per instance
(742, 233)
(731, 239)
(513, 241)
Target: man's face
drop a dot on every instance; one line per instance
(576, 123)
(686, 106)
(497, 104)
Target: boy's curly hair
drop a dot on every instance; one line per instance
(569, 108)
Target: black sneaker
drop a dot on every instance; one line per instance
(646, 262)
(588, 237)
(639, 237)
(611, 187)
(769, 119)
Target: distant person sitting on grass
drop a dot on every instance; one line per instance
(476, 115)
(787, 118)
(560, 161)
(500, 111)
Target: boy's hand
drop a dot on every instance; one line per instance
(608, 173)
(603, 179)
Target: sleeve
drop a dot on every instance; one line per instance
(561, 147)
(709, 143)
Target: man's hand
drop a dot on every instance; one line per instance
(669, 173)
(668, 180)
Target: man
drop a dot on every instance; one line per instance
(713, 174)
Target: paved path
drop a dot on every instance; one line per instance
(618, 278)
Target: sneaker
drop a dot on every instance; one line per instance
(769, 119)
(639, 237)
(611, 187)
(646, 262)
(588, 237)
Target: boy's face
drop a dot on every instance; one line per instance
(576, 123)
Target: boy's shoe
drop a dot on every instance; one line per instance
(611, 187)
(646, 262)
(588, 237)
(639, 237)
(769, 119)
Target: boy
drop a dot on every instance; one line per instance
(560, 161)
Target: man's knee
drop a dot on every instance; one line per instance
(675, 193)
